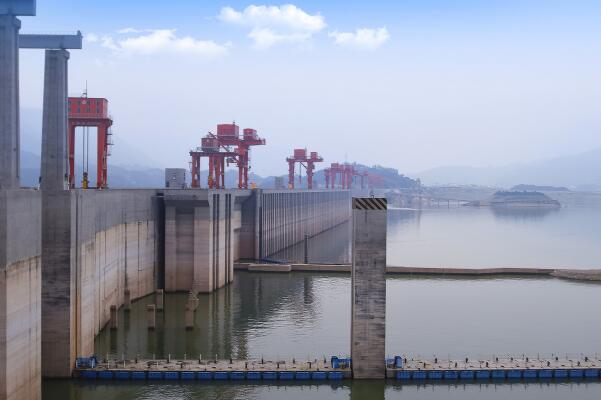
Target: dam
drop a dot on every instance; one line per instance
(71, 257)
(73, 260)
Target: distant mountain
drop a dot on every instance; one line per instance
(119, 176)
(579, 172)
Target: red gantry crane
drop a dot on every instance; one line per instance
(88, 112)
(345, 174)
(300, 157)
(225, 147)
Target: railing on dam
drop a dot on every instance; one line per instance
(287, 217)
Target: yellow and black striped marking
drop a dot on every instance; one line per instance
(369, 203)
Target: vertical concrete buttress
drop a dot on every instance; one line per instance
(58, 261)
(9, 101)
(368, 292)
(54, 124)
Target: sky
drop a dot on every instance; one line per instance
(409, 84)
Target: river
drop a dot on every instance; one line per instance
(307, 315)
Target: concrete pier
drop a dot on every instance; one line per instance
(127, 300)
(151, 316)
(159, 299)
(54, 169)
(9, 101)
(114, 321)
(189, 317)
(368, 291)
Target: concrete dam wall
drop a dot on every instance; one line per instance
(273, 220)
(95, 245)
(67, 256)
(20, 293)
(207, 230)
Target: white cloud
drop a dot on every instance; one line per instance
(163, 41)
(91, 38)
(271, 25)
(109, 43)
(266, 37)
(131, 30)
(362, 38)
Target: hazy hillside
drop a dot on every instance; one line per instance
(580, 171)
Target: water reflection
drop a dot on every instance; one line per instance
(355, 390)
(522, 213)
(224, 320)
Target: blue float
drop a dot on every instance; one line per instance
(545, 374)
(466, 375)
(171, 375)
(560, 373)
(483, 374)
(187, 375)
(403, 375)
(237, 375)
(88, 374)
(530, 374)
(270, 375)
(220, 376)
(155, 375)
(514, 374)
(204, 375)
(303, 375)
(138, 375)
(253, 375)
(591, 373)
(335, 376)
(576, 373)
(286, 375)
(498, 374)
(122, 375)
(419, 375)
(318, 375)
(435, 375)
(105, 374)
(451, 375)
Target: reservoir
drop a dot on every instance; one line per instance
(307, 315)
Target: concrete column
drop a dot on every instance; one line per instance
(54, 170)
(114, 319)
(9, 101)
(159, 299)
(189, 318)
(151, 316)
(368, 292)
(127, 300)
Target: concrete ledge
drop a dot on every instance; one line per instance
(322, 267)
(269, 268)
(578, 274)
(573, 274)
(468, 271)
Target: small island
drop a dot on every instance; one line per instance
(517, 199)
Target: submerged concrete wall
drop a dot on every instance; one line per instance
(285, 217)
(20, 281)
(96, 244)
